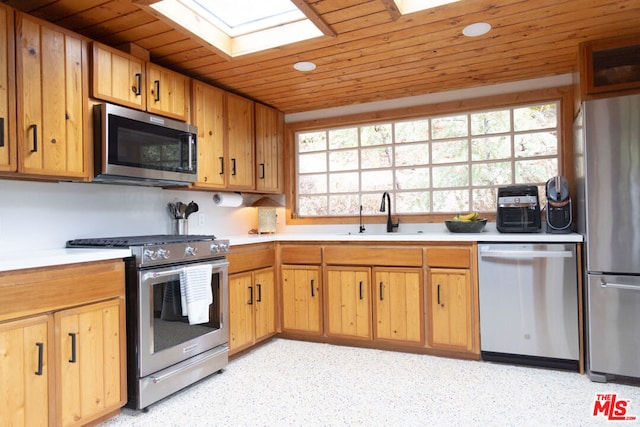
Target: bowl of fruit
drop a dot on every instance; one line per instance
(467, 223)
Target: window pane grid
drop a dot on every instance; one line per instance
(442, 164)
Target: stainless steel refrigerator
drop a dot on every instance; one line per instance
(607, 149)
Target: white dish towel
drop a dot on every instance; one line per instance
(195, 292)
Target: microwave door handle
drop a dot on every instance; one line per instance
(190, 150)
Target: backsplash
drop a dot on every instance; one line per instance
(41, 215)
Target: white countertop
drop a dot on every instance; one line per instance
(45, 258)
(427, 233)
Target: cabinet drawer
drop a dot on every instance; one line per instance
(393, 256)
(298, 254)
(59, 287)
(449, 257)
(246, 258)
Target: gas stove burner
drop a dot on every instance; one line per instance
(129, 241)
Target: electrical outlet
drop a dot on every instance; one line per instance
(201, 219)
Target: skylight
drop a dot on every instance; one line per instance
(410, 6)
(239, 27)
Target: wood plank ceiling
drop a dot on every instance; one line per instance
(373, 57)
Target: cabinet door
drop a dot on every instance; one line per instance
(168, 92)
(269, 149)
(208, 116)
(348, 302)
(25, 354)
(264, 306)
(118, 77)
(398, 305)
(240, 142)
(450, 312)
(51, 101)
(90, 361)
(301, 299)
(7, 92)
(241, 319)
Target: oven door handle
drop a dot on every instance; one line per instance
(156, 274)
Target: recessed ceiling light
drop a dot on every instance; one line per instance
(477, 29)
(304, 66)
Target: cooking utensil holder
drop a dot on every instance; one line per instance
(181, 226)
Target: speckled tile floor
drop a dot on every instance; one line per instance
(292, 383)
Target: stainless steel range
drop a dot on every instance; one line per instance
(177, 321)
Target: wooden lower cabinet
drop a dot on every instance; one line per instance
(349, 302)
(251, 308)
(84, 346)
(26, 355)
(62, 354)
(88, 354)
(301, 299)
(450, 309)
(398, 294)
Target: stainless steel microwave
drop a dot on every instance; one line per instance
(134, 147)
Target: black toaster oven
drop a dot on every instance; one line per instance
(518, 209)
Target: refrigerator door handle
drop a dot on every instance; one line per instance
(619, 286)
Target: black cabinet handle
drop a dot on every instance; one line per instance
(157, 85)
(381, 291)
(261, 170)
(233, 167)
(438, 293)
(34, 128)
(136, 89)
(250, 295)
(259, 286)
(361, 289)
(73, 347)
(221, 165)
(40, 356)
(312, 292)
(1, 131)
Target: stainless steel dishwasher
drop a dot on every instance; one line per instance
(529, 304)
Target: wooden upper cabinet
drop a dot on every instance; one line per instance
(51, 78)
(269, 149)
(167, 93)
(118, 77)
(208, 115)
(8, 159)
(610, 67)
(240, 142)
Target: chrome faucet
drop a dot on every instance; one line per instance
(390, 225)
(361, 223)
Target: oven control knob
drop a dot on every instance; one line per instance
(163, 253)
(224, 247)
(149, 254)
(215, 248)
(190, 251)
